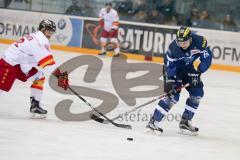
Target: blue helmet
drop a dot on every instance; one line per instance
(183, 34)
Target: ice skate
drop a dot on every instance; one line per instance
(36, 111)
(186, 128)
(116, 55)
(151, 128)
(102, 53)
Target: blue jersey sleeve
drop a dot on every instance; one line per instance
(171, 64)
(205, 57)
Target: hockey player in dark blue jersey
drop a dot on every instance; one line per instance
(179, 70)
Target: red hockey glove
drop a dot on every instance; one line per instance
(63, 81)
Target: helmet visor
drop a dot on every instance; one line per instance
(51, 29)
(184, 44)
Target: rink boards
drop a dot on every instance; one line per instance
(148, 41)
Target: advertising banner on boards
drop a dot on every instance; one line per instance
(154, 41)
(15, 24)
(145, 39)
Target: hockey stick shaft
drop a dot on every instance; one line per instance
(149, 102)
(100, 113)
(124, 46)
(136, 108)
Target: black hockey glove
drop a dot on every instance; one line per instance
(171, 86)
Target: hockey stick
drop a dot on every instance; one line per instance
(101, 120)
(111, 46)
(100, 113)
(124, 46)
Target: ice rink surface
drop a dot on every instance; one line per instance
(22, 138)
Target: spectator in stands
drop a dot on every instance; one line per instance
(74, 9)
(139, 5)
(87, 9)
(194, 18)
(183, 7)
(27, 1)
(124, 6)
(151, 5)
(18, 4)
(229, 23)
(181, 20)
(125, 9)
(207, 21)
(5, 3)
(155, 17)
(167, 10)
(140, 16)
(204, 15)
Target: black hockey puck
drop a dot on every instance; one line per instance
(130, 139)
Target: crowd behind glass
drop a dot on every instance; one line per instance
(213, 14)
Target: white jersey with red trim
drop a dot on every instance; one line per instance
(110, 19)
(32, 50)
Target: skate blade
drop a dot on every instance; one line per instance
(152, 132)
(187, 132)
(38, 116)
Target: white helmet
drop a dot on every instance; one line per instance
(108, 3)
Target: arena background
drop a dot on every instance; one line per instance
(78, 30)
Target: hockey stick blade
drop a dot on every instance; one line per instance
(100, 120)
(100, 113)
(105, 121)
(96, 118)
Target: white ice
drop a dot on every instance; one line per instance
(22, 138)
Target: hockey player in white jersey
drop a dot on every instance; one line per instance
(109, 20)
(30, 58)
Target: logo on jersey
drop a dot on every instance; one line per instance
(194, 78)
(188, 60)
(205, 54)
(194, 81)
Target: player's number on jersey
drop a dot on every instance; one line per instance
(205, 54)
(29, 38)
